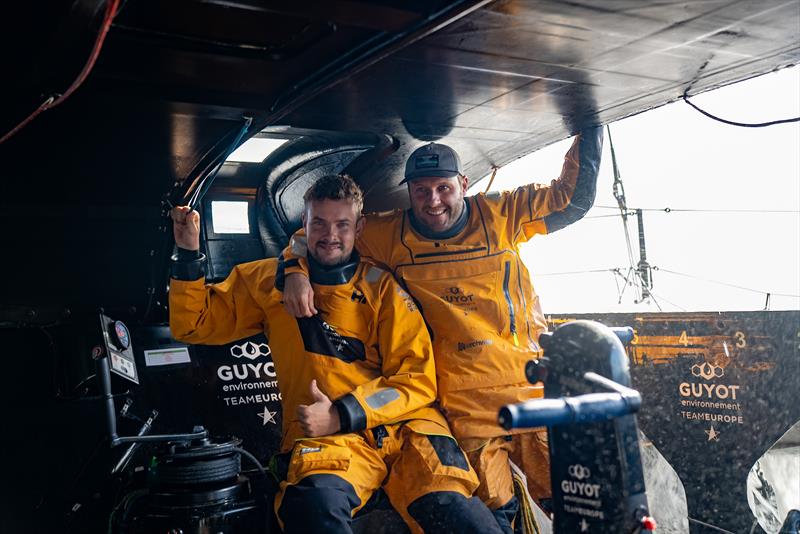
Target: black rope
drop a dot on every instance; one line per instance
(694, 80)
(182, 472)
(252, 458)
(742, 124)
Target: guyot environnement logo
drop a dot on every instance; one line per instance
(250, 350)
(707, 370)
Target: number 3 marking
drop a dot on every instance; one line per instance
(741, 342)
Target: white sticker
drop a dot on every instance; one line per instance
(170, 356)
(123, 366)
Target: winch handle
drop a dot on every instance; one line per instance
(587, 408)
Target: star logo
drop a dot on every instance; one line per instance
(584, 526)
(267, 416)
(712, 434)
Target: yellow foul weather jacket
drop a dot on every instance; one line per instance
(472, 288)
(370, 351)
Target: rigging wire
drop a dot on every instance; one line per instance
(626, 282)
(703, 210)
(640, 285)
(619, 194)
(681, 308)
(578, 272)
(652, 297)
(712, 281)
(617, 271)
(602, 216)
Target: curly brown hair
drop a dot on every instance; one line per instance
(335, 187)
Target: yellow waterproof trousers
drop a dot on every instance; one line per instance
(409, 460)
(490, 458)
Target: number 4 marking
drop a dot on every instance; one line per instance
(684, 339)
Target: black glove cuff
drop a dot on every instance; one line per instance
(187, 255)
(351, 415)
(188, 269)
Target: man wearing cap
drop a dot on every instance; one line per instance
(459, 258)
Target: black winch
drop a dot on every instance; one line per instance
(196, 486)
(596, 468)
(194, 482)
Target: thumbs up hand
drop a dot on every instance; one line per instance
(320, 418)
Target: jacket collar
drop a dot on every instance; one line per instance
(333, 275)
(453, 231)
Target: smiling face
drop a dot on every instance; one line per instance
(437, 202)
(332, 227)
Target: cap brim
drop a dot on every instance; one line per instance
(430, 174)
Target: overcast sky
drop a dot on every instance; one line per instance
(674, 157)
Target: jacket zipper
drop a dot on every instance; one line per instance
(513, 327)
(450, 252)
(523, 300)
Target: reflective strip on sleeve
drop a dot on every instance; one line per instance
(382, 397)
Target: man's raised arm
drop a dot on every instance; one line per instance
(211, 314)
(542, 209)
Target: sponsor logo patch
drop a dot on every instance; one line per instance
(466, 345)
(427, 161)
(407, 299)
(457, 296)
(322, 338)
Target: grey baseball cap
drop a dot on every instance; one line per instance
(432, 159)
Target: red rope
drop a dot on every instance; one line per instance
(53, 101)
